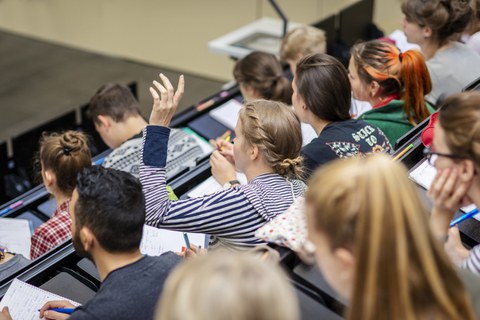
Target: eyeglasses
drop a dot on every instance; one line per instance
(432, 156)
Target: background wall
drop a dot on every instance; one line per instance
(168, 33)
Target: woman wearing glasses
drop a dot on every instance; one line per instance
(456, 156)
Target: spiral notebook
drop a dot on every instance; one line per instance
(24, 300)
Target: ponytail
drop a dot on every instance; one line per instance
(282, 90)
(416, 83)
(404, 74)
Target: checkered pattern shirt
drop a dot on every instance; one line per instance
(53, 232)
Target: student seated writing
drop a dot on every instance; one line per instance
(394, 83)
(267, 149)
(62, 157)
(108, 213)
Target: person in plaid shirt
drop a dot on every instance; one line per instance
(62, 156)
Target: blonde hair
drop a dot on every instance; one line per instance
(224, 285)
(368, 206)
(302, 41)
(275, 130)
(65, 154)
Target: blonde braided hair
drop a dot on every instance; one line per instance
(275, 130)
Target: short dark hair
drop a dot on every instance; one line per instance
(112, 205)
(114, 100)
(322, 82)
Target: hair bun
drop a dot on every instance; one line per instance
(288, 166)
(72, 141)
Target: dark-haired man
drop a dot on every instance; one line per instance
(117, 118)
(108, 212)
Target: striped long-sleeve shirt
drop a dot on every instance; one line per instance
(232, 215)
(472, 263)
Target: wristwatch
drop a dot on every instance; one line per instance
(229, 184)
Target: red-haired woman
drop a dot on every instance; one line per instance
(394, 83)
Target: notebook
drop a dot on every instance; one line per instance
(15, 235)
(156, 241)
(24, 300)
(227, 114)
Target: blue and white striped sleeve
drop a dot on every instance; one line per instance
(223, 212)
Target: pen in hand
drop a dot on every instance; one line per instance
(62, 310)
(464, 217)
(187, 241)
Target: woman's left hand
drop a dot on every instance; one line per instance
(165, 104)
(222, 170)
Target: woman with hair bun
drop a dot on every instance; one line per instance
(435, 25)
(260, 76)
(62, 156)
(266, 149)
(394, 83)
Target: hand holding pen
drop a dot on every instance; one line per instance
(57, 310)
(223, 145)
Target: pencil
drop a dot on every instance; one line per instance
(398, 156)
(226, 134)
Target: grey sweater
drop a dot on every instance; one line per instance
(130, 292)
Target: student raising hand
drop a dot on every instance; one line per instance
(165, 104)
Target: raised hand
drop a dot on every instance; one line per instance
(165, 104)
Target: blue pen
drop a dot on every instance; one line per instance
(464, 217)
(63, 310)
(11, 207)
(187, 242)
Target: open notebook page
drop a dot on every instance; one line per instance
(24, 300)
(156, 241)
(227, 114)
(15, 235)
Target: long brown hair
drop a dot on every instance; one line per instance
(368, 206)
(405, 74)
(65, 154)
(275, 129)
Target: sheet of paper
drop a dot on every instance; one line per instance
(424, 174)
(157, 241)
(15, 235)
(211, 185)
(24, 300)
(227, 114)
